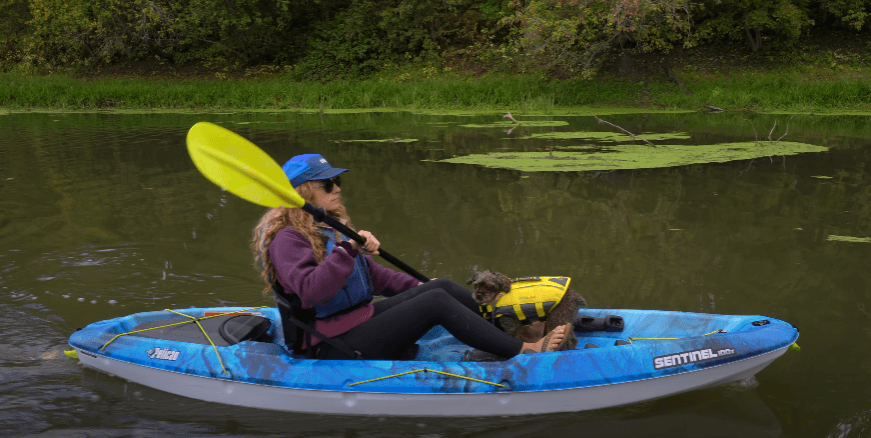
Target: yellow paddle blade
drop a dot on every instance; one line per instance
(71, 354)
(240, 167)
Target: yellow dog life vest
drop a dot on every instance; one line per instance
(529, 300)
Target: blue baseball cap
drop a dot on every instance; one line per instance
(307, 167)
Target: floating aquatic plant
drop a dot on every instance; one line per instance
(835, 238)
(633, 156)
(509, 124)
(608, 136)
(383, 140)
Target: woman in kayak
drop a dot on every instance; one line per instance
(337, 278)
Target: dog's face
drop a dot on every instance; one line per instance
(484, 296)
(488, 285)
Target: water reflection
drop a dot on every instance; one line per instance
(727, 411)
(104, 215)
(856, 426)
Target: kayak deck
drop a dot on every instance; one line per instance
(704, 340)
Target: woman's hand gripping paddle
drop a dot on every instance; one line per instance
(243, 169)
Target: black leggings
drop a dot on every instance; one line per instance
(401, 320)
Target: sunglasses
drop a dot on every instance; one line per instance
(330, 183)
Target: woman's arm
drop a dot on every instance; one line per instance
(389, 282)
(299, 272)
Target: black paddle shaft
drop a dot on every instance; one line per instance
(320, 215)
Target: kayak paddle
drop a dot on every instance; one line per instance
(240, 167)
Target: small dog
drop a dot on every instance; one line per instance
(489, 284)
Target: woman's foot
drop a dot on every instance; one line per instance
(552, 342)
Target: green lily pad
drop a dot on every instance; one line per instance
(586, 147)
(526, 123)
(834, 238)
(383, 140)
(633, 156)
(609, 136)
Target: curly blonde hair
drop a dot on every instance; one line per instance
(280, 217)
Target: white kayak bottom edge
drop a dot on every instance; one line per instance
(405, 404)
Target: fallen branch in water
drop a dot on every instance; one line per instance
(772, 130)
(787, 128)
(630, 134)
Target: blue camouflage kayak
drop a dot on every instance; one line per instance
(237, 356)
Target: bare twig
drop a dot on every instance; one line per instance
(787, 128)
(509, 116)
(630, 134)
(772, 130)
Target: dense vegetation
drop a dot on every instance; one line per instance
(325, 40)
(524, 94)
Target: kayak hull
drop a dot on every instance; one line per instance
(264, 375)
(357, 403)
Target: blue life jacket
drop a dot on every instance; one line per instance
(358, 290)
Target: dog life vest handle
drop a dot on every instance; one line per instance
(320, 215)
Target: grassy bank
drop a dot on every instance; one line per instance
(762, 92)
(525, 94)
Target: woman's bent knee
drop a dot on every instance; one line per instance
(439, 283)
(452, 288)
(437, 294)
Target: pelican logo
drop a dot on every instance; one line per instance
(162, 353)
(683, 358)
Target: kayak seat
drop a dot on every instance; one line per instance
(244, 328)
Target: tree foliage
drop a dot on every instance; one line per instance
(572, 33)
(366, 35)
(330, 39)
(752, 20)
(65, 32)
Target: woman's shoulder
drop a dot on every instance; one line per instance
(288, 230)
(288, 235)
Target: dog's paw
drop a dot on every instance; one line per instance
(571, 343)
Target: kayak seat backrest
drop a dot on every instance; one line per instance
(289, 309)
(298, 326)
(240, 328)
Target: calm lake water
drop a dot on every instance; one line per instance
(103, 215)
